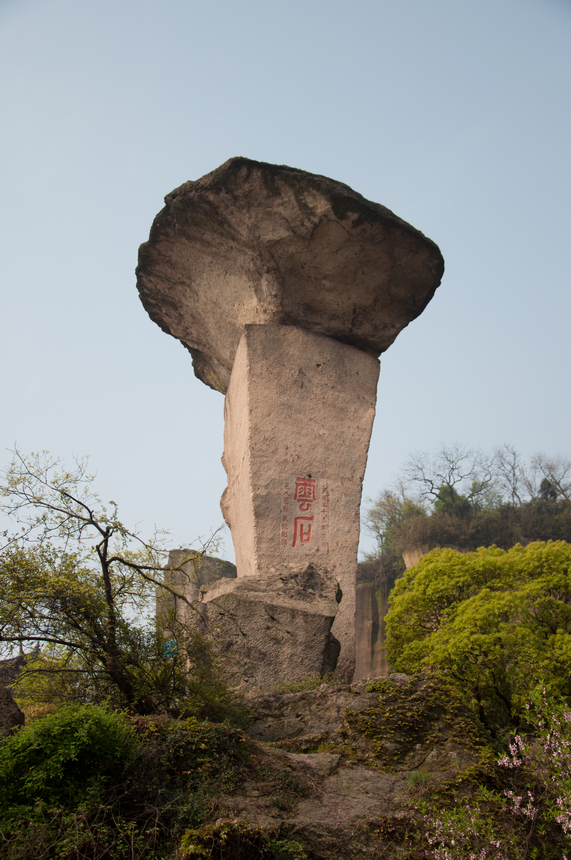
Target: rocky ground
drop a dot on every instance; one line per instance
(338, 772)
(352, 762)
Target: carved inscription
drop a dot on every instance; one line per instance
(324, 513)
(304, 518)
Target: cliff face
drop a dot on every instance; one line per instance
(371, 607)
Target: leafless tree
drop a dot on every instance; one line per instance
(556, 471)
(512, 477)
(452, 469)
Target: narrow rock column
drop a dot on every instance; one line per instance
(298, 418)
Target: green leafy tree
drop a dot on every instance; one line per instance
(450, 501)
(498, 623)
(386, 519)
(76, 582)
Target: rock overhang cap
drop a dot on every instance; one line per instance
(269, 244)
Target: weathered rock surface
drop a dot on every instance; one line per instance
(286, 286)
(10, 714)
(345, 809)
(307, 717)
(260, 243)
(298, 418)
(374, 586)
(356, 761)
(186, 573)
(274, 625)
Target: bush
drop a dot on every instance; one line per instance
(85, 783)
(531, 817)
(57, 758)
(496, 623)
(237, 839)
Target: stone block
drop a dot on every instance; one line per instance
(186, 573)
(272, 628)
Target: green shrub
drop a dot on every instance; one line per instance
(85, 783)
(57, 758)
(237, 839)
(496, 623)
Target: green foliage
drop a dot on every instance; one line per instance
(387, 519)
(527, 814)
(468, 528)
(237, 839)
(77, 582)
(311, 682)
(466, 499)
(418, 777)
(468, 831)
(188, 683)
(450, 501)
(86, 783)
(498, 623)
(417, 716)
(59, 757)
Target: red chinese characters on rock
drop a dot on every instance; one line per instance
(305, 496)
(304, 520)
(305, 489)
(302, 528)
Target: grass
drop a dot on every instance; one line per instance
(311, 682)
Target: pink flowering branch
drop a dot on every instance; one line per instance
(470, 834)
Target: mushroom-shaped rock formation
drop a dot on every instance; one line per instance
(286, 287)
(265, 244)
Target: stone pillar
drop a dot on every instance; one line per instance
(284, 286)
(298, 418)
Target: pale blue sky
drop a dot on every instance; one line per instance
(455, 114)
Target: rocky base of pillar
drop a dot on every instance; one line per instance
(275, 628)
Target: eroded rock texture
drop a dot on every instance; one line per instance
(298, 418)
(10, 714)
(274, 626)
(365, 756)
(260, 243)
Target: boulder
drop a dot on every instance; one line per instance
(260, 243)
(10, 714)
(274, 627)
